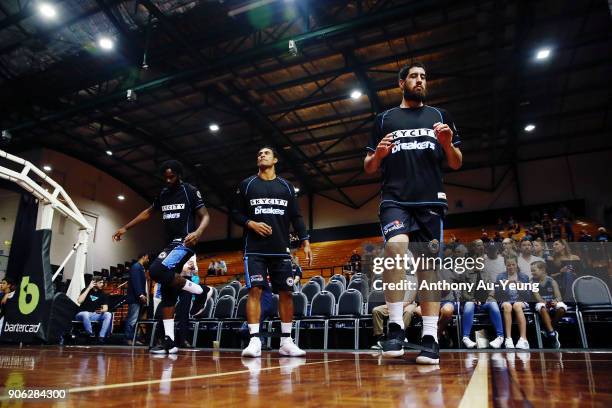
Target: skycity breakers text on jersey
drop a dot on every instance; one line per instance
(428, 263)
(172, 207)
(268, 201)
(413, 145)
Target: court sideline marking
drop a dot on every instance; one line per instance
(176, 379)
(476, 394)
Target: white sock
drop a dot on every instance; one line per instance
(285, 328)
(254, 328)
(430, 327)
(192, 288)
(396, 313)
(169, 328)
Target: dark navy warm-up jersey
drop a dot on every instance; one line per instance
(178, 206)
(273, 202)
(412, 172)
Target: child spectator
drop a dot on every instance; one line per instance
(548, 301)
(514, 299)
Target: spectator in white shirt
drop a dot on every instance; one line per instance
(494, 263)
(527, 258)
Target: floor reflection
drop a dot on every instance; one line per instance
(126, 377)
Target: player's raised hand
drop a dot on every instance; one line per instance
(117, 235)
(443, 133)
(384, 146)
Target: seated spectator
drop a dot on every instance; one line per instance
(297, 272)
(8, 291)
(3, 287)
(380, 313)
(564, 267)
(448, 251)
(485, 237)
(355, 261)
(221, 268)
(500, 225)
(508, 248)
(516, 233)
(497, 237)
(494, 263)
(449, 298)
(548, 301)
(136, 296)
(537, 233)
(94, 308)
(212, 268)
(514, 299)
(602, 235)
(526, 257)
(539, 249)
(478, 249)
(479, 300)
(585, 236)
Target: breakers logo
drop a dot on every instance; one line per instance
(269, 210)
(21, 328)
(392, 226)
(268, 201)
(414, 145)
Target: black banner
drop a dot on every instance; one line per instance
(31, 315)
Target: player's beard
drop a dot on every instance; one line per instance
(414, 96)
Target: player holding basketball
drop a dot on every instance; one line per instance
(180, 204)
(265, 206)
(409, 144)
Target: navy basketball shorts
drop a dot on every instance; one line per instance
(170, 262)
(258, 268)
(423, 225)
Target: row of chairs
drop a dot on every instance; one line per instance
(324, 310)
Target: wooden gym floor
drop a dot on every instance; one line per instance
(126, 377)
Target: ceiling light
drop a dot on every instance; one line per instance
(47, 168)
(109, 153)
(47, 10)
(529, 128)
(543, 53)
(356, 94)
(213, 127)
(120, 197)
(106, 43)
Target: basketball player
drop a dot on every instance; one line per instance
(409, 143)
(265, 206)
(180, 204)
